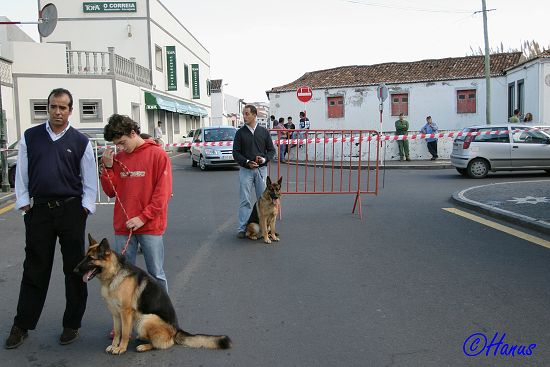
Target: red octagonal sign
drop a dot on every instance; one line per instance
(304, 94)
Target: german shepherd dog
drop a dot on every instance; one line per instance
(264, 214)
(136, 299)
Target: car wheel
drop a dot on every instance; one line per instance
(11, 176)
(193, 163)
(462, 171)
(478, 168)
(202, 164)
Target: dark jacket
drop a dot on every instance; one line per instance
(247, 146)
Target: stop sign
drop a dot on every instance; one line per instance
(304, 94)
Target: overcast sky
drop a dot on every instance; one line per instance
(256, 45)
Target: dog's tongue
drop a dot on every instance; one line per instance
(86, 276)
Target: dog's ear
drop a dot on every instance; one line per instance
(91, 240)
(268, 181)
(104, 248)
(280, 180)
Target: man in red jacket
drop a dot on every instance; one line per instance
(141, 176)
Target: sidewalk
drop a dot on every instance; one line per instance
(525, 203)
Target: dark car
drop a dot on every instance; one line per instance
(12, 163)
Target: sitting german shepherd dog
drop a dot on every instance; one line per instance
(136, 299)
(264, 214)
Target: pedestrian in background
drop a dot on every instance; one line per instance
(280, 136)
(158, 131)
(273, 121)
(528, 117)
(402, 128)
(304, 124)
(142, 178)
(252, 149)
(431, 128)
(55, 187)
(515, 119)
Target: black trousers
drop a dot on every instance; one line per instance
(432, 148)
(43, 226)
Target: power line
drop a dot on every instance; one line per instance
(410, 8)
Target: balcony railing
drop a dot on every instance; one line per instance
(5, 72)
(107, 63)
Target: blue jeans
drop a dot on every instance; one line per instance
(249, 179)
(153, 252)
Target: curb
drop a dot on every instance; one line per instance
(511, 217)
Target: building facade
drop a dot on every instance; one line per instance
(451, 90)
(127, 57)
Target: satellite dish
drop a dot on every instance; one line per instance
(48, 20)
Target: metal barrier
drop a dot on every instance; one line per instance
(99, 146)
(327, 162)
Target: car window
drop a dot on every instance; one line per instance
(464, 131)
(212, 135)
(197, 138)
(529, 137)
(492, 138)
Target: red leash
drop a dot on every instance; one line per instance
(126, 170)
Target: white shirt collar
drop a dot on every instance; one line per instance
(53, 135)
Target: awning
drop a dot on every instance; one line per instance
(155, 101)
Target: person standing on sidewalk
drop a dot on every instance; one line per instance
(141, 175)
(402, 128)
(56, 189)
(252, 149)
(431, 128)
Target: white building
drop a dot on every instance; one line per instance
(127, 57)
(226, 109)
(451, 90)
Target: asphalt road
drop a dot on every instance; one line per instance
(406, 286)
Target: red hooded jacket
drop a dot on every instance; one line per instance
(143, 182)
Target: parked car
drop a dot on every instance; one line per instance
(186, 139)
(519, 148)
(209, 156)
(12, 163)
(99, 143)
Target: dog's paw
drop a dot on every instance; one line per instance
(267, 240)
(144, 347)
(117, 350)
(275, 238)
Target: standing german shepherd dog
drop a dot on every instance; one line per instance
(264, 214)
(136, 299)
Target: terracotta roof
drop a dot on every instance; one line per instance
(467, 67)
(216, 85)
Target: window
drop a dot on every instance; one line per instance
(511, 99)
(466, 101)
(90, 110)
(521, 94)
(176, 122)
(335, 107)
(39, 110)
(400, 104)
(158, 58)
(491, 138)
(186, 74)
(529, 137)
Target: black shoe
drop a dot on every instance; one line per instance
(241, 235)
(16, 338)
(68, 336)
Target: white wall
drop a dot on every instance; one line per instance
(52, 58)
(39, 88)
(530, 73)
(545, 93)
(437, 99)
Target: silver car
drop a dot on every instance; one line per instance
(515, 147)
(218, 154)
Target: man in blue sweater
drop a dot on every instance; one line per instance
(252, 149)
(56, 187)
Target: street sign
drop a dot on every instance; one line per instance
(304, 94)
(382, 92)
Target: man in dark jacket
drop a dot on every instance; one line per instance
(252, 149)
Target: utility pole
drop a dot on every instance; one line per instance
(487, 67)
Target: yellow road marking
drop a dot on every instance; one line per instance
(500, 227)
(6, 208)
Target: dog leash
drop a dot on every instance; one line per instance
(126, 170)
